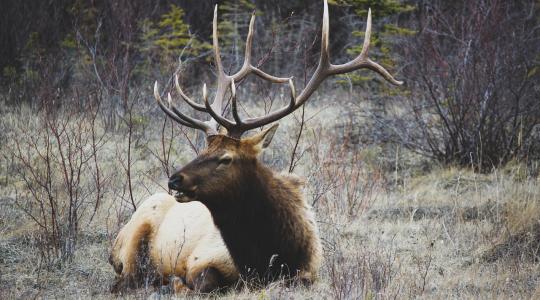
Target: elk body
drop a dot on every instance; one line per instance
(173, 243)
(266, 223)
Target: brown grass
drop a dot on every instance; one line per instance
(388, 231)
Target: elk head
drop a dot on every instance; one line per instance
(224, 163)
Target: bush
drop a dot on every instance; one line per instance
(473, 76)
(54, 157)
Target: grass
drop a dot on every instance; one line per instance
(391, 228)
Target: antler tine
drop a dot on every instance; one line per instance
(191, 103)
(362, 61)
(234, 105)
(247, 66)
(177, 115)
(367, 37)
(195, 122)
(166, 109)
(215, 115)
(215, 41)
(249, 41)
(324, 59)
(215, 109)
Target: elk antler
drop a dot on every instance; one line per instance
(237, 127)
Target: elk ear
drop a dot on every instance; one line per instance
(262, 139)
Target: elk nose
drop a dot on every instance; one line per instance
(175, 182)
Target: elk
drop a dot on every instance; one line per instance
(264, 219)
(176, 244)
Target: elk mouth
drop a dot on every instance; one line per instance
(183, 196)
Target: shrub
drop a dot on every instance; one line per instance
(55, 158)
(473, 76)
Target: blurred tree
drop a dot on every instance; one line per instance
(166, 40)
(172, 35)
(233, 26)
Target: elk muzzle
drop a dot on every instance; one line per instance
(175, 182)
(185, 190)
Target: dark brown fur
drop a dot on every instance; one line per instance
(262, 216)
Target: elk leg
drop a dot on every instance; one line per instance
(117, 286)
(178, 285)
(123, 283)
(206, 281)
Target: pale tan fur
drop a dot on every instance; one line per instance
(182, 239)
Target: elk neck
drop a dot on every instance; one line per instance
(262, 215)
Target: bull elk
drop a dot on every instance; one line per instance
(263, 217)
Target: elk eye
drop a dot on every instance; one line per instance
(225, 160)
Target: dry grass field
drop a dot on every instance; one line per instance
(393, 224)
